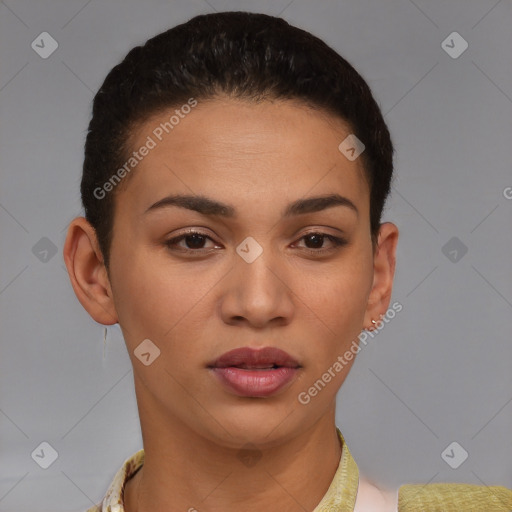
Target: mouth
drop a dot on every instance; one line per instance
(255, 373)
(254, 359)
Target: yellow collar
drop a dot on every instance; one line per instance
(340, 496)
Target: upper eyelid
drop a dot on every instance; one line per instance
(319, 230)
(181, 236)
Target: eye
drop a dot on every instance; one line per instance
(195, 241)
(317, 239)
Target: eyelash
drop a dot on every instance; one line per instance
(336, 241)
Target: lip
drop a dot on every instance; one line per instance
(255, 372)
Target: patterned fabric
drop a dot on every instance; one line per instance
(342, 492)
(448, 497)
(113, 500)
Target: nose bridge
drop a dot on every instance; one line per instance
(258, 265)
(257, 289)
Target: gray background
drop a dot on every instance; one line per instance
(439, 372)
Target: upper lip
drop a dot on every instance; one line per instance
(247, 357)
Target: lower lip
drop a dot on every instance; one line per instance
(255, 383)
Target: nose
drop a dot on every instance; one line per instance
(258, 292)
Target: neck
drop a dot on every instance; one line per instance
(184, 471)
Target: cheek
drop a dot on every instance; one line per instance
(339, 293)
(339, 306)
(334, 305)
(157, 300)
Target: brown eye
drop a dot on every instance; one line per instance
(194, 241)
(314, 242)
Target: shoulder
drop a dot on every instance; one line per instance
(454, 497)
(371, 498)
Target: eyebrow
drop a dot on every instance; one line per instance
(210, 207)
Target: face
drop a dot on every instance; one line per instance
(265, 263)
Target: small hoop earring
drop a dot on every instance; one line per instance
(372, 327)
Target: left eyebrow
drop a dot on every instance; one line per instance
(318, 203)
(211, 207)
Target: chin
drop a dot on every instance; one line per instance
(260, 422)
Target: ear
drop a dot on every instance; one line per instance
(383, 273)
(87, 272)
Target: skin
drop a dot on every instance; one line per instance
(257, 158)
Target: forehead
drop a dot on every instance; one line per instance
(240, 151)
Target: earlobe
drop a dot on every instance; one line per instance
(87, 272)
(383, 272)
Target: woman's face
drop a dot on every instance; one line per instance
(266, 275)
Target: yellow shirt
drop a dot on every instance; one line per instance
(342, 492)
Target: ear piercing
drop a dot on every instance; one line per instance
(373, 327)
